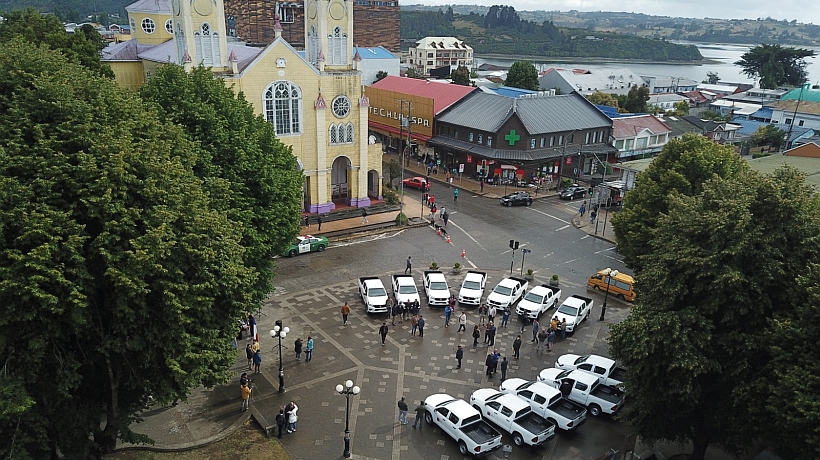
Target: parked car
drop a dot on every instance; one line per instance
(573, 193)
(547, 402)
(507, 292)
(436, 288)
(538, 300)
(417, 182)
(373, 293)
(472, 288)
(306, 243)
(404, 289)
(517, 198)
(603, 368)
(513, 415)
(575, 309)
(463, 423)
(584, 389)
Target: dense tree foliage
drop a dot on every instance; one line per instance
(601, 98)
(249, 174)
(83, 46)
(634, 101)
(682, 167)
(775, 65)
(461, 76)
(522, 74)
(769, 135)
(721, 263)
(502, 31)
(112, 261)
(681, 108)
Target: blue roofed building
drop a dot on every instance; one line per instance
(374, 59)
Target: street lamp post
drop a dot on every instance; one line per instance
(347, 389)
(281, 333)
(609, 273)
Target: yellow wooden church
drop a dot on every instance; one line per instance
(313, 98)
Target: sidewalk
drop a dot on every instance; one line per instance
(412, 208)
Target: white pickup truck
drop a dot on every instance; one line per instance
(547, 402)
(404, 289)
(584, 389)
(436, 288)
(513, 415)
(463, 423)
(574, 309)
(507, 292)
(373, 293)
(603, 368)
(538, 300)
(472, 288)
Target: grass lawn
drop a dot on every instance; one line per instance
(247, 442)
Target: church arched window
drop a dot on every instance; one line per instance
(337, 42)
(349, 138)
(333, 135)
(205, 45)
(283, 107)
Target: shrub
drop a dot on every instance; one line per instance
(401, 219)
(390, 197)
(530, 272)
(457, 265)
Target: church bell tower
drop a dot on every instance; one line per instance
(329, 34)
(200, 33)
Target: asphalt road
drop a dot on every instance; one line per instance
(310, 289)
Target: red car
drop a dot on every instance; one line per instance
(417, 183)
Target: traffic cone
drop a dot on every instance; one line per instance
(438, 231)
(463, 253)
(448, 239)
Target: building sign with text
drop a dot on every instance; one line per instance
(386, 109)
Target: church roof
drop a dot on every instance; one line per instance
(156, 6)
(443, 95)
(123, 51)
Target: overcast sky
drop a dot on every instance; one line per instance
(727, 9)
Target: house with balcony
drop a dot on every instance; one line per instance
(435, 52)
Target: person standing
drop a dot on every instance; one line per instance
(433, 212)
(524, 321)
(383, 332)
(476, 335)
(249, 354)
(452, 303)
(459, 356)
(543, 333)
(446, 217)
(280, 421)
(293, 418)
(583, 209)
(517, 347)
(245, 393)
(491, 335)
(462, 322)
(414, 322)
(432, 200)
(257, 362)
(319, 221)
(421, 326)
(564, 329)
(420, 410)
(402, 411)
(550, 339)
(491, 313)
(455, 195)
(535, 326)
(489, 364)
(394, 311)
(447, 312)
(504, 365)
(345, 311)
(482, 313)
(309, 350)
(297, 348)
(592, 216)
(441, 212)
(505, 316)
(425, 197)
(409, 267)
(487, 332)
(415, 309)
(364, 215)
(482, 185)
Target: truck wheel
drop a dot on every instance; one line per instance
(594, 410)
(321, 248)
(621, 296)
(292, 253)
(529, 203)
(518, 439)
(428, 418)
(463, 448)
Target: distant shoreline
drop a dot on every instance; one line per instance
(590, 60)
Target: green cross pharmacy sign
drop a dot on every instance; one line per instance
(512, 138)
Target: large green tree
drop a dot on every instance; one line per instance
(249, 174)
(775, 65)
(111, 261)
(83, 46)
(522, 74)
(461, 76)
(769, 135)
(635, 101)
(602, 98)
(720, 265)
(681, 168)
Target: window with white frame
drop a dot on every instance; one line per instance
(148, 25)
(561, 140)
(586, 138)
(471, 137)
(532, 143)
(543, 142)
(283, 107)
(552, 141)
(341, 133)
(207, 45)
(337, 42)
(287, 14)
(479, 138)
(489, 141)
(169, 26)
(333, 134)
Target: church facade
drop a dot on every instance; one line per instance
(313, 98)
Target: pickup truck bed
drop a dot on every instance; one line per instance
(534, 423)
(480, 432)
(618, 374)
(567, 409)
(608, 393)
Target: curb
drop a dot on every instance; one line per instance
(361, 234)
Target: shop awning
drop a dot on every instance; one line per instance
(386, 128)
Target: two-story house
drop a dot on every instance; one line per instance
(639, 136)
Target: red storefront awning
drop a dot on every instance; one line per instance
(392, 130)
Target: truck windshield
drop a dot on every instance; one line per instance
(567, 310)
(407, 289)
(377, 292)
(534, 298)
(503, 290)
(475, 285)
(438, 286)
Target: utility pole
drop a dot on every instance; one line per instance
(403, 151)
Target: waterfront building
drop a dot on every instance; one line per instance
(432, 53)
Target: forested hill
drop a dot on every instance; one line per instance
(502, 31)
